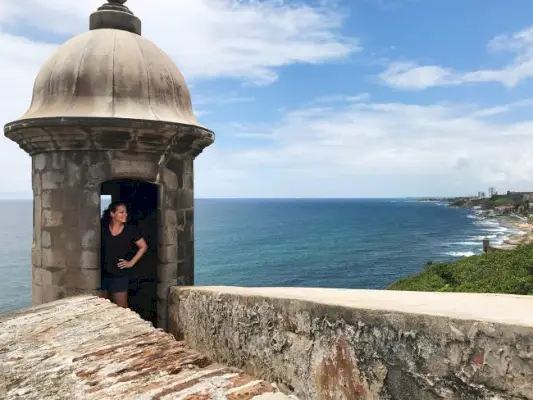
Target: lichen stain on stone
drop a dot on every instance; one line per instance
(338, 375)
(478, 359)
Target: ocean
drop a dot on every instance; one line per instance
(318, 243)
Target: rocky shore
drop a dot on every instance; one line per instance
(524, 237)
(511, 210)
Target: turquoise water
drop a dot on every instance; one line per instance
(327, 243)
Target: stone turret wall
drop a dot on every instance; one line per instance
(66, 242)
(356, 344)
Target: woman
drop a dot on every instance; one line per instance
(122, 247)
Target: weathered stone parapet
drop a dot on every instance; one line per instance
(87, 348)
(356, 344)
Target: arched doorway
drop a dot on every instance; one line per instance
(142, 200)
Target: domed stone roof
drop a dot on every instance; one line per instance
(110, 89)
(111, 73)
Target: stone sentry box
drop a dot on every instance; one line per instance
(110, 110)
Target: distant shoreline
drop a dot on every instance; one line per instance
(509, 221)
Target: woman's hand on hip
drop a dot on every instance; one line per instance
(123, 264)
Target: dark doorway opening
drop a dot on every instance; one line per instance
(142, 201)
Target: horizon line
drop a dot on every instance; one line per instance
(292, 198)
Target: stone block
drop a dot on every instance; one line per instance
(52, 276)
(36, 276)
(185, 199)
(189, 216)
(89, 260)
(186, 235)
(36, 294)
(83, 279)
(181, 220)
(163, 288)
(188, 181)
(162, 323)
(90, 239)
(54, 198)
(52, 293)
(167, 272)
(170, 218)
(188, 166)
(97, 174)
(185, 250)
(168, 254)
(46, 239)
(69, 291)
(168, 235)
(162, 309)
(73, 176)
(37, 219)
(186, 272)
(58, 161)
(46, 199)
(36, 184)
(39, 162)
(53, 258)
(51, 218)
(170, 179)
(52, 180)
(36, 260)
(92, 198)
(137, 169)
(169, 198)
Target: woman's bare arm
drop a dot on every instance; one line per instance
(143, 247)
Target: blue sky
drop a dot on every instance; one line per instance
(330, 98)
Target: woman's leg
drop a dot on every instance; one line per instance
(120, 299)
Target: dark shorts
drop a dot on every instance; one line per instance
(114, 283)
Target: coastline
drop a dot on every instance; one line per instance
(516, 232)
(525, 235)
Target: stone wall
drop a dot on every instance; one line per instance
(66, 242)
(185, 219)
(356, 344)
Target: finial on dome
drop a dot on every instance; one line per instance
(115, 15)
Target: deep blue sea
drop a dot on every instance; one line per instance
(327, 243)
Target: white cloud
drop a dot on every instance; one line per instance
(245, 40)
(409, 75)
(380, 149)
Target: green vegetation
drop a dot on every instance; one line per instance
(495, 272)
(518, 201)
(502, 201)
